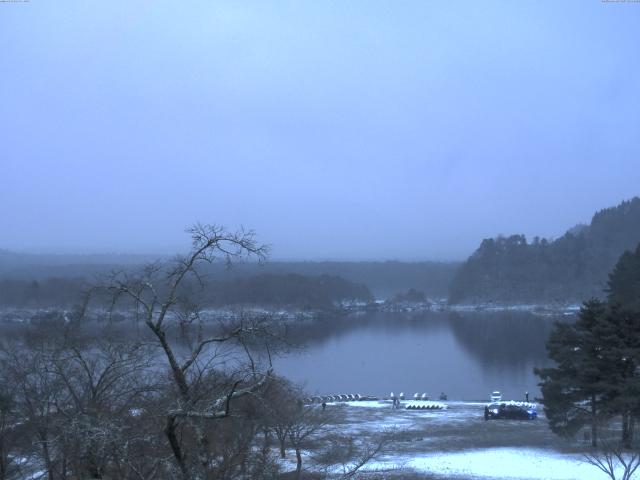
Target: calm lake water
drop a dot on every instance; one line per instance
(465, 355)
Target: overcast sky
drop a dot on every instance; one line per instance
(335, 129)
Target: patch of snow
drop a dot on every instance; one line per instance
(507, 463)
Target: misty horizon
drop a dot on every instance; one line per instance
(168, 251)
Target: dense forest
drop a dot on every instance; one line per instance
(286, 290)
(383, 279)
(570, 268)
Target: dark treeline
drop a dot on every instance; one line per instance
(384, 279)
(290, 290)
(24, 266)
(47, 293)
(570, 268)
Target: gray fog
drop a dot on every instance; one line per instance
(337, 130)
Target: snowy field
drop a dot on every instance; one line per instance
(458, 443)
(493, 463)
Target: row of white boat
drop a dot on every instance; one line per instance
(339, 398)
(420, 402)
(416, 396)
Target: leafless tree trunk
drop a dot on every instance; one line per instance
(281, 434)
(298, 463)
(594, 422)
(305, 423)
(5, 431)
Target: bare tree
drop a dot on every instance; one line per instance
(344, 456)
(613, 459)
(307, 423)
(283, 402)
(203, 394)
(37, 392)
(362, 453)
(72, 397)
(7, 434)
(103, 380)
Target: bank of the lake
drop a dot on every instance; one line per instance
(457, 443)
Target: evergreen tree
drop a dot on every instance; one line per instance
(597, 359)
(624, 282)
(572, 389)
(623, 347)
(619, 335)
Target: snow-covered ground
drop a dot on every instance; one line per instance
(458, 443)
(495, 463)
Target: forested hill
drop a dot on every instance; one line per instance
(573, 267)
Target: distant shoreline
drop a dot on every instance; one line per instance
(10, 314)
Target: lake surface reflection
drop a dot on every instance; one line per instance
(466, 355)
